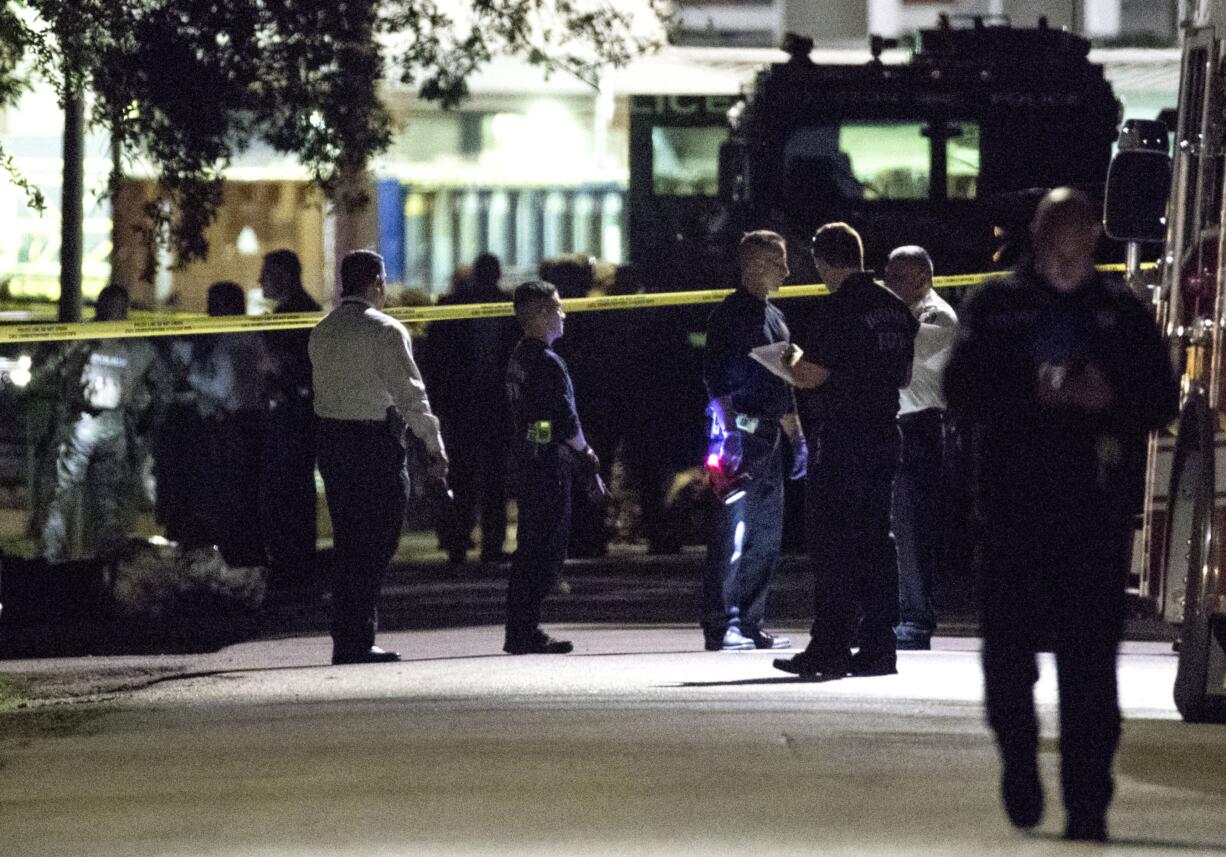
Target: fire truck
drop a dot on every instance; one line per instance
(934, 150)
(1184, 530)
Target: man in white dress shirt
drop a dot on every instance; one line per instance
(918, 508)
(367, 391)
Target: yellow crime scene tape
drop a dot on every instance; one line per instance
(191, 324)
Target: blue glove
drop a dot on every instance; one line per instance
(800, 457)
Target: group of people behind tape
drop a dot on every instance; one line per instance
(216, 433)
(1055, 376)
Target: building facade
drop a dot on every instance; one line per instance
(840, 23)
(528, 168)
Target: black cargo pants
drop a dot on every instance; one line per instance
(1056, 583)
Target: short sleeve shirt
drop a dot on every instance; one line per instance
(864, 335)
(739, 324)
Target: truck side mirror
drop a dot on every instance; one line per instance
(1138, 184)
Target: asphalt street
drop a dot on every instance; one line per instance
(638, 743)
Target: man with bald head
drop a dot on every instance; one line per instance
(1059, 376)
(917, 510)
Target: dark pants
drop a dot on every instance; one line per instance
(918, 517)
(855, 563)
(477, 475)
(1058, 584)
(743, 543)
(178, 435)
(237, 446)
(543, 485)
(363, 466)
(288, 492)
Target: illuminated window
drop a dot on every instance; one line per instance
(888, 160)
(685, 161)
(883, 160)
(963, 160)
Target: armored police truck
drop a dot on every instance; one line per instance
(939, 150)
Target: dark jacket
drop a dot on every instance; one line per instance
(1036, 461)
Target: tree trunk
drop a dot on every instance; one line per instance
(354, 220)
(72, 208)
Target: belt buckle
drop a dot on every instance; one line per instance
(747, 423)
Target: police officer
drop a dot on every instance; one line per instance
(105, 383)
(918, 507)
(548, 449)
(857, 353)
(1061, 375)
(468, 357)
(368, 390)
(288, 502)
(753, 415)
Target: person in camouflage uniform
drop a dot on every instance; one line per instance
(106, 385)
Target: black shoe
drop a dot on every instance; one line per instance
(869, 664)
(457, 556)
(539, 644)
(767, 640)
(494, 557)
(1086, 829)
(1022, 794)
(809, 667)
(373, 655)
(914, 643)
(731, 641)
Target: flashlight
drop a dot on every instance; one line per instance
(726, 480)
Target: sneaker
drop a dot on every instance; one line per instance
(538, 644)
(1022, 794)
(810, 667)
(914, 643)
(1086, 829)
(767, 640)
(869, 664)
(731, 641)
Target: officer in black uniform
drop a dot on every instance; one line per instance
(857, 353)
(1060, 376)
(466, 358)
(753, 414)
(288, 505)
(548, 448)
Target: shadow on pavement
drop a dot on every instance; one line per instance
(750, 681)
(1148, 844)
(68, 615)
